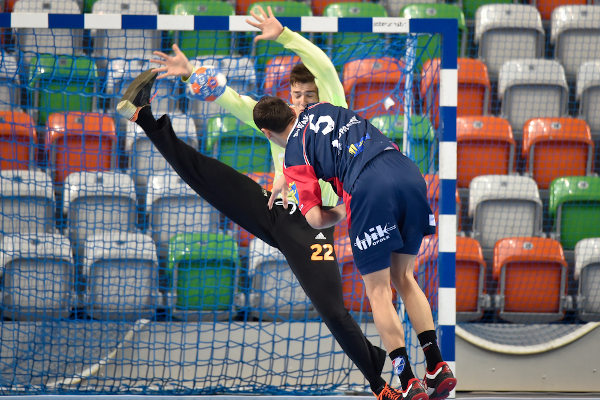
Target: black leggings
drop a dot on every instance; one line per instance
(245, 202)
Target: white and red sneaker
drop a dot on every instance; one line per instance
(440, 382)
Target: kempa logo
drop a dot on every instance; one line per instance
(374, 236)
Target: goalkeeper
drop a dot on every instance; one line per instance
(246, 203)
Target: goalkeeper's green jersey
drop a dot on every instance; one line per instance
(330, 91)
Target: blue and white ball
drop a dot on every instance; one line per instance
(207, 83)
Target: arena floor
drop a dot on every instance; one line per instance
(470, 396)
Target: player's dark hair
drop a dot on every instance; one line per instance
(273, 114)
(301, 74)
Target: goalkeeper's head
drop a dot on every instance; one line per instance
(303, 89)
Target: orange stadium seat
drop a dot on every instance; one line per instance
(532, 279)
(474, 89)
(433, 195)
(318, 6)
(355, 296)
(545, 7)
(555, 147)
(277, 75)
(370, 82)
(470, 279)
(78, 141)
(18, 140)
(485, 146)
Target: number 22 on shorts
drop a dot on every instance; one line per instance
(322, 252)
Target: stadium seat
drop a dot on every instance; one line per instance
(573, 205)
(470, 6)
(78, 141)
(349, 46)
(32, 41)
(18, 141)
(555, 147)
(374, 86)
(393, 7)
(575, 34)
(504, 206)
(173, 208)
(10, 99)
(531, 89)
(145, 159)
(421, 137)
(353, 288)
(430, 47)
(203, 270)
(121, 73)
(485, 146)
(587, 274)
(121, 273)
(266, 49)
(94, 201)
(238, 145)
(275, 293)
(474, 89)
(532, 279)
(38, 276)
(471, 293)
(547, 7)
(277, 75)
(134, 43)
(588, 95)
(59, 84)
(27, 202)
(506, 32)
(242, 7)
(198, 43)
(318, 6)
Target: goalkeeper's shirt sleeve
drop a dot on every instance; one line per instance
(317, 62)
(238, 105)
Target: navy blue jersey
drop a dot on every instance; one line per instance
(330, 143)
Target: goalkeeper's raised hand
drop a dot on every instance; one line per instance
(270, 27)
(175, 65)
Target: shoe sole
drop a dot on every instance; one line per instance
(443, 389)
(126, 108)
(420, 396)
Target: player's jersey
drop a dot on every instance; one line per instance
(330, 143)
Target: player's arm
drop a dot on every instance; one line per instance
(319, 218)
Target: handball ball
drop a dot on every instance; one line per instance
(207, 83)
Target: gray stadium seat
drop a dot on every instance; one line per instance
(26, 202)
(121, 271)
(9, 82)
(587, 273)
(38, 276)
(98, 201)
(575, 34)
(588, 95)
(504, 206)
(507, 31)
(532, 88)
(275, 293)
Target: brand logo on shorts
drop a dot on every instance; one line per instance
(320, 236)
(373, 237)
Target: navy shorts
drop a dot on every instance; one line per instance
(387, 211)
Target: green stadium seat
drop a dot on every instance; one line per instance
(266, 49)
(200, 43)
(574, 203)
(420, 141)
(61, 83)
(238, 145)
(469, 7)
(203, 273)
(348, 46)
(430, 47)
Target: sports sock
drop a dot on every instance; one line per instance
(377, 387)
(146, 120)
(433, 356)
(401, 366)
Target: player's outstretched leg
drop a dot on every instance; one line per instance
(414, 391)
(440, 382)
(137, 95)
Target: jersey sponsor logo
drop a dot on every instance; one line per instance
(300, 125)
(320, 236)
(346, 128)
(373, 237)
(356, 148)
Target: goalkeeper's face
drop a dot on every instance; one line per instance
(303, 94)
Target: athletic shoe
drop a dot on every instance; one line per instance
(439, 383)
(137, 95)
(414, 391)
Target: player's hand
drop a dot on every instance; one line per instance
(270, 27)
(175, 65)
(279, 186)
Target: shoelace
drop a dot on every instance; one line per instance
(387, 393)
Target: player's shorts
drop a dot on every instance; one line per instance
(387, 211)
